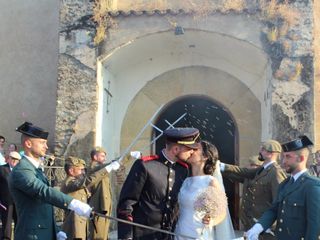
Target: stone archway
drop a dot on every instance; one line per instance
(133, 71)
(216, 125)
(214, 84)
(141, 80)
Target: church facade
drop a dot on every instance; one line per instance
(240, 71)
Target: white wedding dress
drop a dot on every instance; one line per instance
(190, 222)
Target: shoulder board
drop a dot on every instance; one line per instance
(183, 164)
(149, 158)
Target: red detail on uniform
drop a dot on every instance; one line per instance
(149, 158)
(124, 215)
(183, 164)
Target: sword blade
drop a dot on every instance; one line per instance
(3, 207)
(140, 225)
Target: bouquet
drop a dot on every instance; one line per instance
(212, 201)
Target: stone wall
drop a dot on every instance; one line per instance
(316, 79)
(77, 87)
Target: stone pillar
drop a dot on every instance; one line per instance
(316, 43)
(77, 86)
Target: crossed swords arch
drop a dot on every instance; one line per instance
(150, 123)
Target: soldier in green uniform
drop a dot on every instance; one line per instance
(296, 207)
(262, 187)
(32, 195)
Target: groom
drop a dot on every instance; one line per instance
(149, 194)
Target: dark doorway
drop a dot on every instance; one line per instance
(215, 124)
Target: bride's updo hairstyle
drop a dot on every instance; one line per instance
(211, 152)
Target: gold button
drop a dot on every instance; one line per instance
(280, 229)
(65, 204)
(170, 188)
(170, 179)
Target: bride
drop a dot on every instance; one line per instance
(196, 190)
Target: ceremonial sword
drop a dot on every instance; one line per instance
(3, 207)
(93, 213)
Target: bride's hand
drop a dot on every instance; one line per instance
(206, 219)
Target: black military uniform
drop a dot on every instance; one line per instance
(149, 194)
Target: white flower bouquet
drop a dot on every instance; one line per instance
(212, 202)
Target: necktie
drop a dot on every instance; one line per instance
(260, 170)
(291, 181)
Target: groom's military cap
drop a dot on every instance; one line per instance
(31, 130)
(189, 137)
(297, 144)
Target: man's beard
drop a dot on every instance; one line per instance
(81, 176)
(261, 158)
(292, 168)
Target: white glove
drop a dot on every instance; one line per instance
(221, 165)
(80, 208)
(135, 154)
(113, 166)
(253, 233)
(61, 235)
(270, 232)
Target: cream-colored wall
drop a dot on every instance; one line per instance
(134, 65)
(28, 59)
(197, 80)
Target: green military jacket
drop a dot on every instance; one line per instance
(296, 209)
(34, 200)
(259, 192)
(79, 188)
